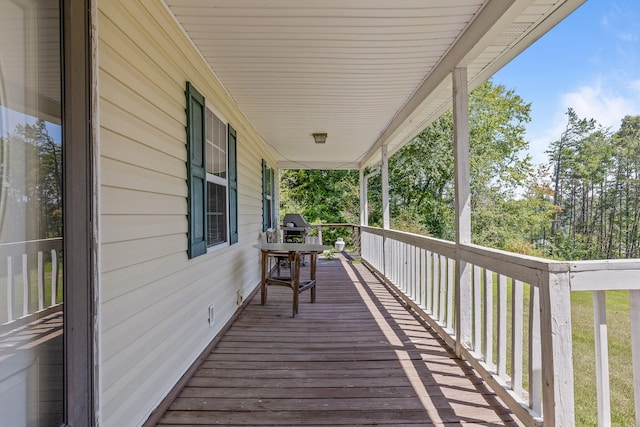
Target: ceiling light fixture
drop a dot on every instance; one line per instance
(320, 138)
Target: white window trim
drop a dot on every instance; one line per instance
(221, 181)
(270, 197)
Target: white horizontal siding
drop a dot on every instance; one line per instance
(128, 227)
(154, 300)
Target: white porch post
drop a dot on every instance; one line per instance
(276, 196)
(364, 211)
(385, 188)
(463, 206)
(556, 348)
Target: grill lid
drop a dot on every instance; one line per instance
(297, 219)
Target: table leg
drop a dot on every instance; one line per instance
(263, 281)
(312, 272)
(296, 282)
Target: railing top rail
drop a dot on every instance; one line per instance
(605, 264)
(536, 263)
(584, 275)
(29, 246)
(51, 240)
(605, 275)
(481, 255)
(444, 247)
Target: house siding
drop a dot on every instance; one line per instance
(154, 300)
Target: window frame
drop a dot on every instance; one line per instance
(268, 197)
(217, 180)
(198, 178)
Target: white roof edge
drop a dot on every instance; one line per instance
(427, 88)
(318, 165)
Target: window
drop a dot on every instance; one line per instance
(268, 207)
(216, 154)
(212, 177)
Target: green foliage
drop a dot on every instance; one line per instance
(496, 131)
(322, 196)
(596, 190)
(329, 254)
(39, 192)
(422, 180)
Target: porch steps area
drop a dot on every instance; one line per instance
(356, 357)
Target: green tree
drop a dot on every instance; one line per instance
(421, 173)
(626, 164)
(421, 182)
(562, 154)
(321, 196)
(596, 190)
(41, 191)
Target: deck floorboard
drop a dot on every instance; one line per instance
(355, 357)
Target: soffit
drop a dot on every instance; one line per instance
(367, 72)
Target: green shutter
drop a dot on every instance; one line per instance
(265, 205)
(233, 187)
(196, 173)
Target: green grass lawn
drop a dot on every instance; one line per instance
(620, 368)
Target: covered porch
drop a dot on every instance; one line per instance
(176, 117)
(357, 356)
(395, 338)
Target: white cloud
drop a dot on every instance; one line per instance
(604, 103)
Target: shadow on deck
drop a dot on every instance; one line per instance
(356, 357)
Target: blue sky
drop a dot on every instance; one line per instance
(590, 62)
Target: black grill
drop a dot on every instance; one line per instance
(296, 233)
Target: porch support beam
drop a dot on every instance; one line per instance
(364, 195)
(364, 211)
(463, 206)
(385, 187)
(556, 348)
(276, 197)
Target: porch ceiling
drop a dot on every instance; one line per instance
(367, 72)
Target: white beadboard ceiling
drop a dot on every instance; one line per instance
(366, 72)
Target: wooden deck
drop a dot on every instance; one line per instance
(356, 357)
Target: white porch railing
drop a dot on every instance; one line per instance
(521, 344)
(26, 294)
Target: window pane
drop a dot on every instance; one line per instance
(216, 188)
(269, 178)
(268, 213)
(209, 126)
(216, 214)
(31, 345)
(216, 146)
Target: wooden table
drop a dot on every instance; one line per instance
(293, 253)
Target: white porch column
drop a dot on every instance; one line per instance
(385, 188)
(276, 197)
(556, 347)
(463, 206)
(364, 211)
